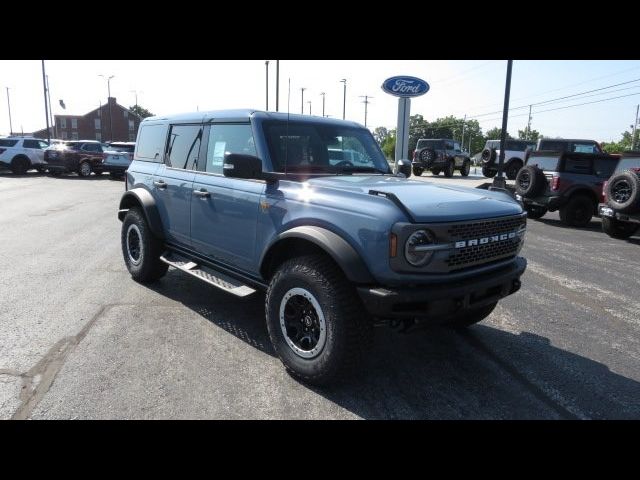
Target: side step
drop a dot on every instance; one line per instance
(206, 274)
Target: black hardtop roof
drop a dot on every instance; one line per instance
(555, 153)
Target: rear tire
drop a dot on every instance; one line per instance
(578, 212)
(435, 172)
(313, 288)
(472, 317)
(20, 165)
(535, 212)
(512, 169)
(84, 169)
(617, 229)
(449, 169)
(141, 248)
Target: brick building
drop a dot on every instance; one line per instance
(95, 125)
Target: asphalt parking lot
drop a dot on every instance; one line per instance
(80, 339)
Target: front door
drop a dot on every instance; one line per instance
(224, 211)
(173, 181)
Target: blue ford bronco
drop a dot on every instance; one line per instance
(260, 201)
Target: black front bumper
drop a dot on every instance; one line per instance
(445, 299)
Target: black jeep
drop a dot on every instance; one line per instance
(440, 155)
(570, 182)
(620, 210)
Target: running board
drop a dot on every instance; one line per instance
(206, 274)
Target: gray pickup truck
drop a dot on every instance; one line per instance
(259, 201)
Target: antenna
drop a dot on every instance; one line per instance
(286, 142)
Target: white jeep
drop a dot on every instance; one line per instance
(513, 157)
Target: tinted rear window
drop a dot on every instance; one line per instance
(436, 144)
(544, 163)
(151, 142)
(626, 163)
(4, 142)
(517, 145)
(121, 148)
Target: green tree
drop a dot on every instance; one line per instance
(381, 134)
(532, 135)
(140, 111)
(624, 144)
(495, 134)
(388, 146)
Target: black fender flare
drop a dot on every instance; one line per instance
(142, 198)
(333, 244)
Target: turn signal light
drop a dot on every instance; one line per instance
(393, 245)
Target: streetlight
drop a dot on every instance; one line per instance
(344, 98)
(323, 95)
(266, 65)
(9, 105)
(309, 102)
(302, 89)
(108, 79)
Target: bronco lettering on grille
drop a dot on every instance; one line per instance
(486, 240)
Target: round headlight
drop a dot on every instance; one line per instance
(415, 251)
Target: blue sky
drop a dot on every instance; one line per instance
(473, 87)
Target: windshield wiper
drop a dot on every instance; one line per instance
(355, 169)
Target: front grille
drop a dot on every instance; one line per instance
(485, 228)
(477, 254)
(488, 252)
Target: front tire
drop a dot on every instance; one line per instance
(449, 169)
(512, 169)
(466, 168)
(316, 322)
(435, 172)
(489, 173)
(141, 248)
(617, 229)
(578, 212)
(535, 212)
(417, 171)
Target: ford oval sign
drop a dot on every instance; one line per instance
(403, 86)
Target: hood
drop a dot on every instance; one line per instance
(427, 201)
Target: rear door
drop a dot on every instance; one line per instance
(224, 211)
(173, 181)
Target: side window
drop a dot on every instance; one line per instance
(151, 142)
(42, 144)
(91, 147)
(184, 146)
(228, 139)
(456, 146)
(604, 168)
(31, 144)
(577, 165)
(448, 145)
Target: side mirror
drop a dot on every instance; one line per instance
(404, 167)
(237, 165)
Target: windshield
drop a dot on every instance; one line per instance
(544, 163)
(317, 148)
(627, 163)
(435, 144)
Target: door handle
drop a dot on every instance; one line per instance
(202, 193)
(160, 184)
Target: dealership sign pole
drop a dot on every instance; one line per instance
(404, 87)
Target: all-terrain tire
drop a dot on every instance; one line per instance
(578, 211)
(617, 229)
(417, 171)
(623, 192)
(349, 330)
(466, 168)
(141, 255)
(534, 212)
(513, 167)
(488, 172)
(449, 169)
(530, 181)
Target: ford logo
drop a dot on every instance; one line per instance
(403, 86)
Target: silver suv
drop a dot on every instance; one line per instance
(21, 154)
(514, 157)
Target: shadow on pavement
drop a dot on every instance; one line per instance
(594, 225)
(440, 373)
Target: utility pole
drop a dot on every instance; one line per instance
(529, 125)
(302, 101)
(635, 129)
(309, 102)
(499, 180)
(470, 137)
(46, 107)
(344, 98)
(323, 95)
(53, 125)
(464, 123)
(277, 85)
(266, 64)
(9, 106)
(366, 103)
